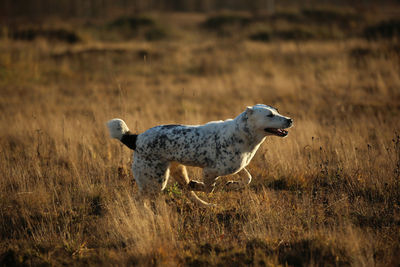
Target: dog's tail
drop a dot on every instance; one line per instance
(119, 130)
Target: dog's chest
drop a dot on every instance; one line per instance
(232, 161)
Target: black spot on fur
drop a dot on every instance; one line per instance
(169, 126)
(129, 140)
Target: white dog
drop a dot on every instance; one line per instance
(220, 148)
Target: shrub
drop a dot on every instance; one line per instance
(133, 23)
(220, 21)
(263, 36)
(294, 34)
(331, 16)
(30, 34)
(384, 30)
(155, 34)
(287, 16)
(143, 27)
(288, 35)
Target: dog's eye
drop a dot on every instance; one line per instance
(270, 115)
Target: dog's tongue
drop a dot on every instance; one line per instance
(281, 132)
(278, 132)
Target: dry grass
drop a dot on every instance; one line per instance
(328, 194)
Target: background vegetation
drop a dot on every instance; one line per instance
(327, 195)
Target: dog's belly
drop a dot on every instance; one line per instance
(220, 166)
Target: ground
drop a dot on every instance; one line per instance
(327, 195)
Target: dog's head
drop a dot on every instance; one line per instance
(267, 121)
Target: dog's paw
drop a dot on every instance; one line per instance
(196, 185)
(233, 185)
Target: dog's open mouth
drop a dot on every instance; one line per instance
(277, 132)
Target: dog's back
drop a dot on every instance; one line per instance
(190, 145)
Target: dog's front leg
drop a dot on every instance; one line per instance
(235, 185)
(209, 178)
(249, 177)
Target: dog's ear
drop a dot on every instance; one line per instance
(249, 110)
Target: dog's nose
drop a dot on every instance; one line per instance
(290, 121)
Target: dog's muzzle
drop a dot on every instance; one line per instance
(280, 132)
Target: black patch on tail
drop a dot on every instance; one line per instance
(129, 140)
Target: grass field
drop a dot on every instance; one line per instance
(327, 195)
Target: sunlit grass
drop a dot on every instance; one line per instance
(327, 194)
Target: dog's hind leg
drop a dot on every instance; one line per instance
(151, 175)
(179, 173)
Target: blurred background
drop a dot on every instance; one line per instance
(101, 8)
(327, 195)
(287, 20)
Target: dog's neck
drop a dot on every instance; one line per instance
(253, 139)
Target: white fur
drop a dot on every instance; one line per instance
(117, 128)
(219, 147)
